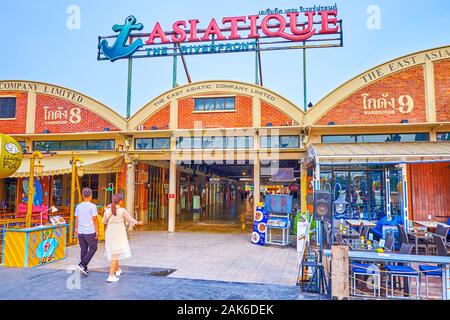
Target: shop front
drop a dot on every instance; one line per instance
(382, 138)
(375, 179)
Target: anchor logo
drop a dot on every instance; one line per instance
(119, 49)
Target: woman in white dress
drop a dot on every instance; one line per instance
(116, 240)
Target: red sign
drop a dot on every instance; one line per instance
(273, 25)
(171, 196)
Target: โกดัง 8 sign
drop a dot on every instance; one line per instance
(224, 36)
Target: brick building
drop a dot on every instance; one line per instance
(382, 137)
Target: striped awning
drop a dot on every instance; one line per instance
(60, 164)
(400, 152)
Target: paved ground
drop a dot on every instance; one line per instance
(206, 256)
(137, 284)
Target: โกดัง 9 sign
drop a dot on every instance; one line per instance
(276, 30)
(10, 155)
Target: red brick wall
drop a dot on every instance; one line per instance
(19, 124)
(89, 120)
(442, 89)
(161, 119)
(408, 82)
(242, 117)
(270, 114)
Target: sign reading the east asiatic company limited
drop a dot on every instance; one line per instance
(259, 30)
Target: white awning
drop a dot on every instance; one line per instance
(60, 164)
(380, 152)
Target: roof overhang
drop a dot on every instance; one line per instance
(379, 153)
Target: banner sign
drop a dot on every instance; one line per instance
(269, 30)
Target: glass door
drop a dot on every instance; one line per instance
(377, 195)
(341, 182)
(359, 194)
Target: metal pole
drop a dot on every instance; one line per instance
(174, 68)
(72, 199)
(305, 98)
(73, 187)
(30, 193)
(257, 63)
(130, 74)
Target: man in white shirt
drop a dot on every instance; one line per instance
(86, 227)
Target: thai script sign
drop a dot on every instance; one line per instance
(385, 104)
(62, 115)
(260, 31)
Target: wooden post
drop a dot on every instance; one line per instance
(340, 272)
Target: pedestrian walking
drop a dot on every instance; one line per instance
(86, 228)
(116, 240)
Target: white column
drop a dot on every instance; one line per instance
(317, 176)
(172, 193)
(256, 181)
(130, 189)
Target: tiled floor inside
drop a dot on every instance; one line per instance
(200, 255)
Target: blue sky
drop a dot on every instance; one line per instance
(37, 45)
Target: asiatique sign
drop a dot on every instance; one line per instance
(272, 31)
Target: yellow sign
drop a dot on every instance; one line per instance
(10, 155)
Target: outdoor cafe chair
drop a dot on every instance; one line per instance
(390, 242)
(364, 232)
(442, 231)
(433, 271)
(339, 239)
(401, 271)
(404, 239)
(366, 270)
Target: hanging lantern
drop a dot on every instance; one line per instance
(38, 168)
(80, 169)
(340, 204)
(10, 155)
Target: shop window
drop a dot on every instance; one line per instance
(152, 143)
(395, 186)
(214, 104)
(45, 146)
(338, 139)
(270, 142)
(443, 136)
(282, 142)
(213, 142)
(7, 107)
(390, 137)
(289, 142)
(244, 142)
(100, 145)
(91, 181)
(23, 145)
(161, 143)
(73, 145)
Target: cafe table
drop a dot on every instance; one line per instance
(357, 223)
(425, 236)
(361, 245)
(430, 224)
